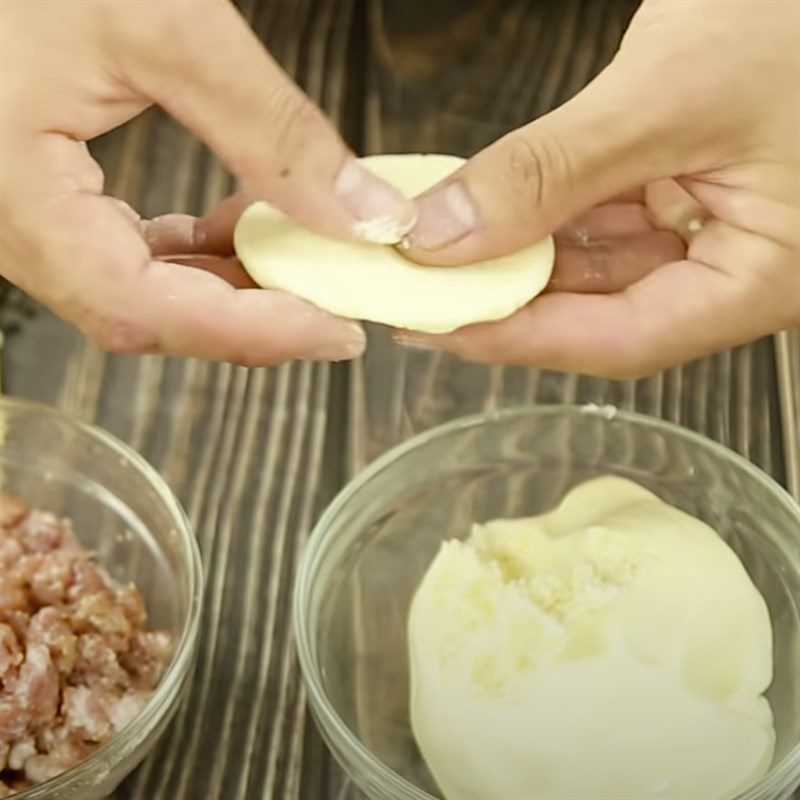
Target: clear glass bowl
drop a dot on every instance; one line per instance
(122, 510)
(369, 551)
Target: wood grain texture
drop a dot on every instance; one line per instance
(254, 455)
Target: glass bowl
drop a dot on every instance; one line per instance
(123, 511)
(372, 546)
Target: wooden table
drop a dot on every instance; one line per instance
(255, 454)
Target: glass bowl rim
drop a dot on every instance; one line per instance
(117, 748)
(320, 539)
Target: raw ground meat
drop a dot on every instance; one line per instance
(77, 662)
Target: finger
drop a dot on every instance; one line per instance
(534, 180)
(214, 231)
(190, 312)
(229, 269)
(607, 221)
(170, 233)
(125, 301)
(612, 265)
(672, 208)
(83, 255)
(266, 131)
(604, 335)
(748, 210)
(655, 323)
(767, 270)
(632, 195)
(184, 234)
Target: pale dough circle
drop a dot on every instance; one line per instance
(376, 283)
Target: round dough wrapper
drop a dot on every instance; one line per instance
(374, 282)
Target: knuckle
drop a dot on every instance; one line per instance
(534, 167)
(523, 173)
(294, 120)
(117, 334)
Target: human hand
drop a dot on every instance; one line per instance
(673, 182)
(73, 70)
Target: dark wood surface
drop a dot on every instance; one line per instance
(255, 454)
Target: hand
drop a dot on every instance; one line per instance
(73, 70)
(673, 182)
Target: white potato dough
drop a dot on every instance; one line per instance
(374, 282)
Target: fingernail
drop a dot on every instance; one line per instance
(444, 215)
(199, 233)
(414, 341)
(351, 344)
(169, 232)
(384, 214)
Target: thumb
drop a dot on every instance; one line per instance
(533, 180)
(215, 77)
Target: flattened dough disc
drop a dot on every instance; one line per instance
(376, 283)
